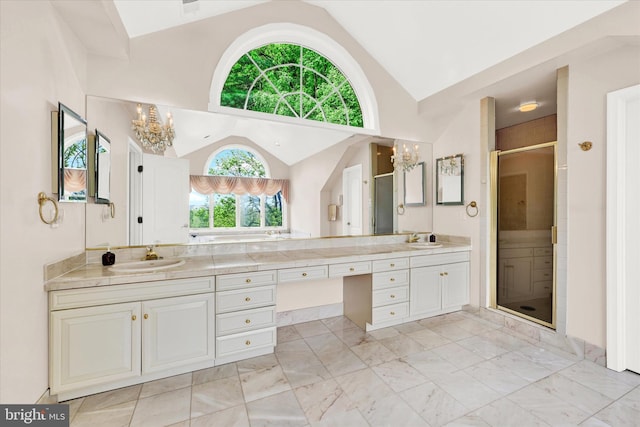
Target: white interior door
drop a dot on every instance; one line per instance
(352, 200)
(165, 200)
(623, 229)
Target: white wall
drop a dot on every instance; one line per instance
(42, 63)
(463, 136)
(589, 82)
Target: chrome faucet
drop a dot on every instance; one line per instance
(413, 238)
(151, 254)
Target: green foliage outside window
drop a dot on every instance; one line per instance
(291, 80)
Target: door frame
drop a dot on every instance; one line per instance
(493, 240)
(347, 215)
(617, 287)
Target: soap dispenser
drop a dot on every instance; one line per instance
(108, 258)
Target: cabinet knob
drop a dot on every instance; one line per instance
(133, 317)
(248, 281)
(247, 342)
(392, 296)
(441, 274)
(146, 316)
(446, 274)
(247, 321)
(352, 269)
(393, 279)
(393, 313)
(247, 299)
(392, 265)
(304, 274)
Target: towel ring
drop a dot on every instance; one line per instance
(112, 209)
(42, 200)
(471, 206)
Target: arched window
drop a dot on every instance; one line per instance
(236, 211)
(295, 54)
(291, 80)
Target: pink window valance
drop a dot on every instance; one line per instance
(208, 184)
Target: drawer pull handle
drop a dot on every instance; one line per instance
(146, 316)
(247, 342)
(392, 265)
(247, 299)
(248, 281)
(393, 313)
(304, 274)
(352, 269)
(133, 317)
(393, 279)
(247, 321)
(392, 296)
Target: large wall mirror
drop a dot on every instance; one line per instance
(450, 180)
(70, 148)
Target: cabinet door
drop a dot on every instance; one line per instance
(515, 278)
(455, 285)
(94, 345)
(177, 331)
(424, 290)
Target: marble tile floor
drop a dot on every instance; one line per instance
(451, 370)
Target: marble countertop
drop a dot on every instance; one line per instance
(92, 275)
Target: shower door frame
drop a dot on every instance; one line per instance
(493, 269)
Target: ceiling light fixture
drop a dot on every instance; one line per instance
(152, 133)
(528, 106)
(406, 160)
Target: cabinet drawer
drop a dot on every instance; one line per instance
(242, 280)
(438, 259)
(543, 287)
(390, 296)
(349, 269)
(543, 251)
(539, 275)
(390, 279)
(304, 273)
(515, 253)
(390, 264)
(390, 312)
(246, 341)
(245, 320)
(240, 299)
(543, 262)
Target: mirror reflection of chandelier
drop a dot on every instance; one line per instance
(152, 133)
(450, 166)
(407, 159)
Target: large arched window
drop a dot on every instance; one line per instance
(291, 80)
(236, 211)
(305, 55)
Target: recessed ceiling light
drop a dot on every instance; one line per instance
(528, 106)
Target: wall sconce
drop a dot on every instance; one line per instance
(586, 145)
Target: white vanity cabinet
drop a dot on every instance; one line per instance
(245, 315)
(108, 337)
(439, 284)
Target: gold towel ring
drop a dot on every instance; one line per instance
(112, 209)
(472, 205)
(42, 200)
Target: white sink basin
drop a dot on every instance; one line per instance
(151, 265)
(426, 245)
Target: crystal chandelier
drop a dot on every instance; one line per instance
(450, 166)
(151, 133)
(407, 159)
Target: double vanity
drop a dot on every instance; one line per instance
(206, 305)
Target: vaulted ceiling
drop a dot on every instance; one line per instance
(429, 47)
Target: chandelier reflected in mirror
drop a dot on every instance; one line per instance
(151, 133)
(407, 159)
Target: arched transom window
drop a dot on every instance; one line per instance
(291, 80)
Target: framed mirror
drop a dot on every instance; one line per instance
(414, 186)
(70, 146)
(103, 168)
(450, 180)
